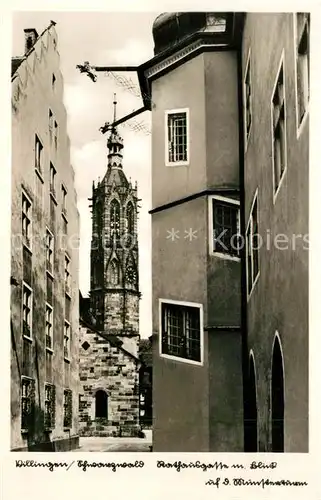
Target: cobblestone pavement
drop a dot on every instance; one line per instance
(102, 444)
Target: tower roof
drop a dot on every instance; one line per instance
(171, 28)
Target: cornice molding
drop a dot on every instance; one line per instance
(181, 55)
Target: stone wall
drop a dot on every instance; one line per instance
(33, 97)
(103, 366)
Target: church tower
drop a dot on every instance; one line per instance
(114, 288)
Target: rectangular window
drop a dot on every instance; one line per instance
(49, 251)
(67, 408)
(51, 125)
(27, 265)
(64, 200)
(50, 406)
(53, 82)
(252, 247)
(278, 130)
(26, 357)
(67, 307)
(52, 180)
(52, 213)
(49, 355)
(225, 227)
(181, 331)
(27, 403)
(49, 326)
(177, 140)
(247, 100)
(56, 134)
(38, 154)
(26, 310)
(67, 274)
(67, 340)
(26, 220)
(302, 63)
(49, 290)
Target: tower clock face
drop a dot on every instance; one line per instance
(131, 275)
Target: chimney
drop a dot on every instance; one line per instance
(31, 36)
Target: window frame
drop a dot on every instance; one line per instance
(186, 162)
(48, 248)
(68, 393)
(179, 359)
(27, 238)
(64, 193)
(28, 337)
(52, 406)
(31, 397)
(52, 180)
(38, 155)
(225, 200)
(301, 121)
(51, 323)
(249, 223)
(67, 275)
(277, 186)
(68, 337)
(247, 72)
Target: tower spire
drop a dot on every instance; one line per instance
(115, 104)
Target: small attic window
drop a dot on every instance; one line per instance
(85, 345)
(29, 42)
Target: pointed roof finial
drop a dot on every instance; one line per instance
(115, 104)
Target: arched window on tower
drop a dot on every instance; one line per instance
(130, 218)
(101, 404)
(113, 273)
(114, 217)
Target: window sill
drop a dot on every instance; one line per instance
(27, 246)
(48, 349)
(24, 431)
(27, 337)
(67, 360)
(68, 293)
(54, 199)
(177, 164)
(64, 216)
(181, 360)
(50, 273)
(67, 429)
(39, 174)
(225, 256)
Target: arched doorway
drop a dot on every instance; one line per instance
(277, 398)
(101, 404)
(250, 431)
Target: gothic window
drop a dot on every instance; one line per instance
(114, 217)
(130, 218)
(101, 404)
(113, 273)
(131, 275)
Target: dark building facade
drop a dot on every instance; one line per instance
(44, 257)
(229, 95)
(108, 367)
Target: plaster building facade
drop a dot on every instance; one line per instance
(44, 255)
(109, 363)
(230, 135)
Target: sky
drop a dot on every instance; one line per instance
(102, 39)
